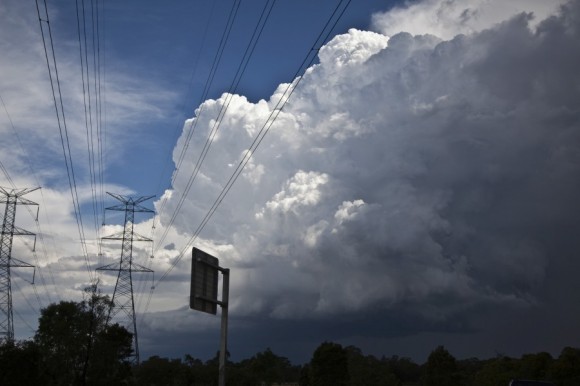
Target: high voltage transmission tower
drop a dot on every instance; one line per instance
(122, 310)
(12, 198)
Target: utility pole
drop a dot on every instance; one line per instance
(123, 306)
(12, 198)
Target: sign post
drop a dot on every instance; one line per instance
(224, 331)
(204, 297)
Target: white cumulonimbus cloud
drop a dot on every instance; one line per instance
(405, 170)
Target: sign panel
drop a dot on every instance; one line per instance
(204, 282)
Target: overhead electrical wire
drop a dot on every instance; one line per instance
(307, 62)
(40, 232)
(257, 33)
(98, 105)
(92, 106)
(60, 112)
(27, 302)
(87, 107)
(227, 28)
(217, 59)
(101, 95)
(179, 123)
(24, 321)
(209, 81)
(5, 171)
(63, 130)
(19, 142)
(35, 292)
(101, 121)
(179, 126)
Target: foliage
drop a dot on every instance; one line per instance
(440, 369)
(19, 363)
(535, 366)
(497, 371)
(304, 379)
(329, 366)
(368, 370)
(265, 368)
(76, 346)
(109, 357)
(467, 369)
(405, 370)
(157, 371)
(566, 369)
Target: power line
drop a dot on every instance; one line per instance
(307, 62)
(101, 91)
(179, 123)
(92, 106)
(257, 33)
(59, 109)
(179, 126)
(97, 86)
(40, 232)
(224, 39)
(87, 108)
(23, 295)
(209, 81)
(4, 170)
(29, 304)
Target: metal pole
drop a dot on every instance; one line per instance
(224, 333)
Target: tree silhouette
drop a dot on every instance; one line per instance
(440, 369)
(77, 347)
(329, 366)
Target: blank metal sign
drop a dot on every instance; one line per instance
(204, 282)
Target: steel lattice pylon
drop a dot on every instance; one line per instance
(123, 308)
(12, 198)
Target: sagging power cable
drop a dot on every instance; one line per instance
(307, 62)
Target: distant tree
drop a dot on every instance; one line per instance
(368, 370)
(497, 371)
(329, 366)
(467, 369)
(440, 369)
(77, 347)
(210, 374)
(270, 368)
(359, 371)
(19, 363)
(535, 366)
(156, 371)
(240, 374)
(566, 369)
(407, 371)
(304, 376)
(197, 372)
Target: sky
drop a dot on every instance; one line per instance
(410, 176)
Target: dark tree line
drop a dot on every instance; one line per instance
(334, 365)
(75, 346)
